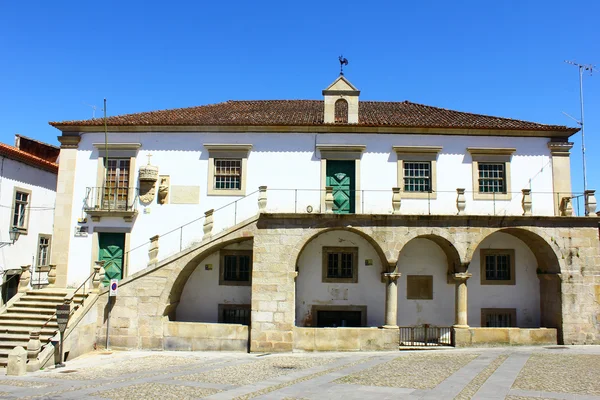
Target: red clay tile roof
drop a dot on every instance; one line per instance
(310, 113)
(26, 158)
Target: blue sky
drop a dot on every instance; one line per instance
(501, 58)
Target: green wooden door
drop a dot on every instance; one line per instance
(112, 250)
(340, 176)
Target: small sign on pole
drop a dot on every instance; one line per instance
(114, 286)
(63, 312)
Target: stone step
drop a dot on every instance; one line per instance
(49, 299)
(4, 324)
(18, 309)
(24, 330)
(37, 304)
(20, 337)
(37, 318)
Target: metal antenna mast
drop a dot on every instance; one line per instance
(591, 68)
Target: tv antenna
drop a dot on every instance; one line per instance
(590, 68)
(93, 109)
(343, 61)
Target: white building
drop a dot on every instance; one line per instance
(436, 175)
(28, 173)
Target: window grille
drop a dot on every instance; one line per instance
(43, 251)
(417, 176)
(236, 268)
(340, 265)
(228, 174)
(492, 178)
(116, 188)
(236, 316)
(19, 217)
(497, 267)
(498, 318)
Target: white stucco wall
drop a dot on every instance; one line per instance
(424, 257)
(202, 293)
(42, 185)
(286, 162)
(524, 295)
(310, 290)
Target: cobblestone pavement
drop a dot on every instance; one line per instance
(555, 372)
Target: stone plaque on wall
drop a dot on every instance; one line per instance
(184, 194)
(419, 287)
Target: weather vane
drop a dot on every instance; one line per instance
(343, 61)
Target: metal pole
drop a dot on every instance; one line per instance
(582, 128)
(180, 238)
(108, 324)
(295, 201)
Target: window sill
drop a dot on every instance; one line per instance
(492, 196)
(234, 283)
(418, 195)
(227, 192)
(498, 282)
(340, 280)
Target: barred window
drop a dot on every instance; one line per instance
(235, 267)
(492, 178)
(234, 314)
(498, 317)
(20, 210)
(497, 267)
(228, 174)
(340, 264)
(417, 176)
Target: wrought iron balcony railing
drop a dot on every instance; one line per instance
(111, 201)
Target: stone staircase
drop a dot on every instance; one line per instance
(29, 313)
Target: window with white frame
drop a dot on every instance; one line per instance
(417, 176)
(228, 174)
(227, 169)
(21, 206)
(43, 254)
(417, 170)
(492, 178)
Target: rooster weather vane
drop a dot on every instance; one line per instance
(343, 61)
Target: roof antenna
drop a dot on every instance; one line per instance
(591, 68)
(93, 109)
(343, 61)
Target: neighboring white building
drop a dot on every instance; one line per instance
(28, 173)
(159, 172)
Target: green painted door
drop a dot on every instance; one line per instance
(112, 250)
(340, 176)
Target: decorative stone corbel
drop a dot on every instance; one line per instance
(208, 224)
(262, 199)
(396, 200)
(33, 350)
(163, 189)
(566, 207)
(52, 275)
(153, 251)
(25, 278)
(461, 202)
(328, 199)
(526, 201)
(590, 203)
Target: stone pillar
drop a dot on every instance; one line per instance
(208, 224)
(33, 350)
(52, 275)
(262, 199)
(561, 172)
(566, 207)
(590, 203)
(391, 300)
(328, 200)
(526, 201)
(461, 303)
(461, 202)
(153, 251)
(25, 278)
(61, 237)
(99, 276)
(396, 200)
(17, 362)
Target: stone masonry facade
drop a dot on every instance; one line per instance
(566, 249)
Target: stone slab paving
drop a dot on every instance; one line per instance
(494, 373)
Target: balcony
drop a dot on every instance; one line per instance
(111, 202)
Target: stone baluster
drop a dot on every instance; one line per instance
(153, 251)
(17, 362)
(566, 207)
(52, 275)
(590, 203)
(98, 276)
(25, 278)
(328, 199)
(391, 300)
(526, 201)
(262, 199)
(33, 350)
(208, 224)
(396, 200)
(461, 303)
(461, 202)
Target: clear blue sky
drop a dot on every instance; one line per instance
(501, 58)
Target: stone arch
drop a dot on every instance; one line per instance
(445, 242)
(341, 111)
(385, 263)
(172, 293)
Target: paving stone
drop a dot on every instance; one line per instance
(480, 379)
(158, 391)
